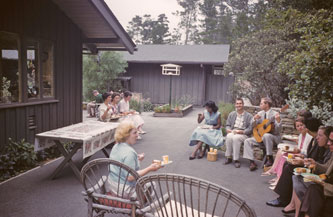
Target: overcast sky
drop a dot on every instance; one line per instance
(125, 10)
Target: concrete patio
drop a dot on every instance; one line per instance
(34, 194)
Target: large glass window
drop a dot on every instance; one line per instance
(32, 70)
(9, 68)
(38, 66)
(47, 69)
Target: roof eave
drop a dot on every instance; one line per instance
(176, 62)
(109, 17)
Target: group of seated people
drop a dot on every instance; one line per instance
(313, 149)
(113, 107)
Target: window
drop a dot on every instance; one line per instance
(47, 69)
(9, 68)
(38, 73)
(33, 70)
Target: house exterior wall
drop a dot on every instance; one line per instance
(195, 82)
(42, 19)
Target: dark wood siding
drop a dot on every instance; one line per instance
(147, 78)
(42, 19)
(217, 86)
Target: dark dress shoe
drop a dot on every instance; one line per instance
(276, 203)
(237, 164)
(227, 161)
(269, 164)
(288, 212)
(191, 158)
(253, 166)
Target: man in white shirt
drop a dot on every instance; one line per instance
(124, 108)
(269, 139)
(238, 128)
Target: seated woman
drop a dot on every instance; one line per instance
(115, 98)
(210, 134)
(312, 197)
(105, 110)
(124, 108)
(126, 136)
(303, 141)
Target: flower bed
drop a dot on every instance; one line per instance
(167, 111)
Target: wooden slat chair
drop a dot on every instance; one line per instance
(189, 196)
(94, 176)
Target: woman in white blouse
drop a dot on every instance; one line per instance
(105, 110)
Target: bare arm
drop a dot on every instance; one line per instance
(218, 123)
(150, 168)
(201, 117)
(103, 117)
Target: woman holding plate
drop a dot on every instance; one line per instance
(210, 133)
(304, 140)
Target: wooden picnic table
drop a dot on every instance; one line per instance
(91, 136)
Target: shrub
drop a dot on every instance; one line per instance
(135, 105)
(139, 104)
(323, 113)
(15, 158)
(147, 105)
(225, 109)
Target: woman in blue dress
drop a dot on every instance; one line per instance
(210, 133)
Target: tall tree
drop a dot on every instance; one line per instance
(208, 9)
(160, 30)
(100, 70)
(134, 29)
(254, 61)
(188, 19)
(145, 30)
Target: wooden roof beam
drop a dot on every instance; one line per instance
(102, 40)
(92, 48)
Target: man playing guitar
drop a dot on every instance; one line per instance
(269, 138)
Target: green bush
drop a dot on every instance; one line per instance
(142, 104)
(135, 105)
(225, 109)
(16, 157)
(147, 106)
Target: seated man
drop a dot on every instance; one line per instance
(92, 105)
(269, 139)
(317, 150)
(238, 128)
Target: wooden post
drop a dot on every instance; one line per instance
(170, 90)
(204, 80)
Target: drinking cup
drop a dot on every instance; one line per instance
(165, 159)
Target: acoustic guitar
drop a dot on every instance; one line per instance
(265, 126)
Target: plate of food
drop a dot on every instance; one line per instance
(286, 147)
(300, 170)
(205, 126)
(309, 177)
(115, 118)
(162, 163)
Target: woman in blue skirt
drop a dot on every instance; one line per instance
(210, 133)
